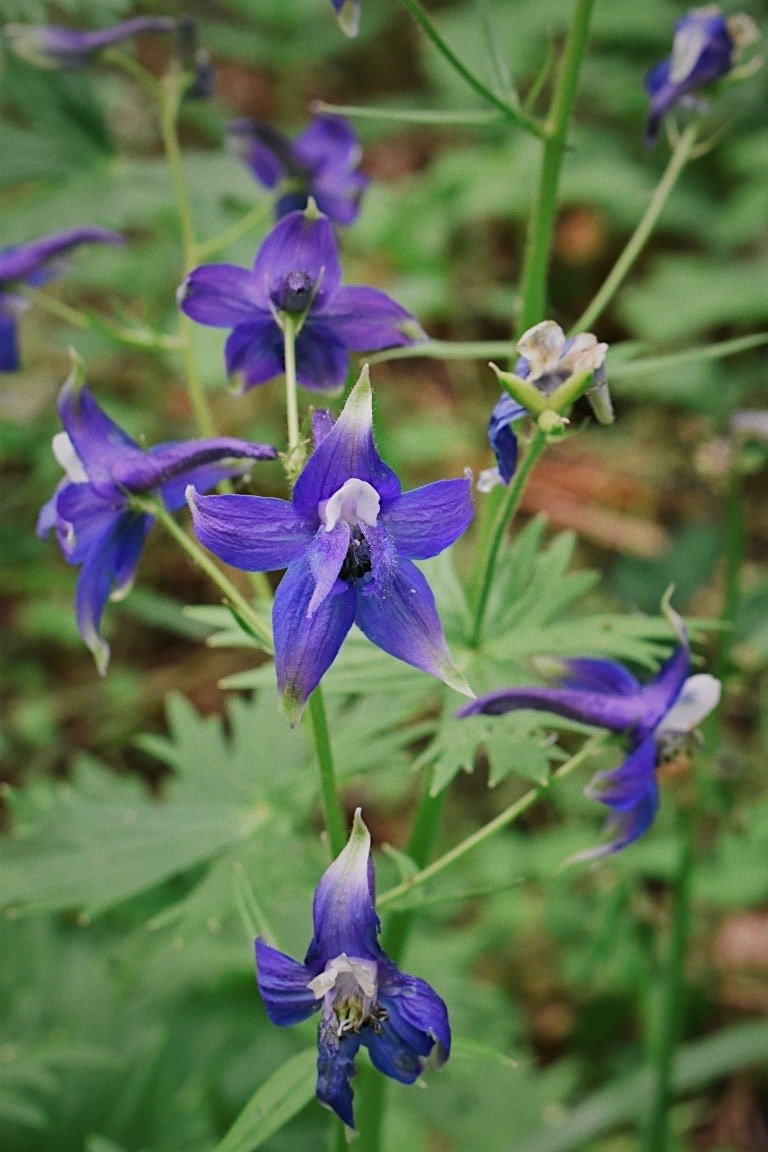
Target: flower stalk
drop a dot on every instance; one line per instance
(334, 816)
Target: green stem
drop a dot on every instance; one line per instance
(508, 816)
(239, 604)
(637, 241)
(136, 337)
(242, 227)
(291, 389)
(171, 94)
(656, 1136)
(409, 115)
(534, 279)
(512, 498)
(514, 115)
(334, 815)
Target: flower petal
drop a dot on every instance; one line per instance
(266, 151)
(404, 622)
(55, 46)
(168, 461)
(368, 320)
(631, 791)
(224, 296)
(322, 422)
(115, 554)
(9, 341)
(416, 1024)
(424, 521)
(343, 909)
(305, 647)
(325, 557)
(347, 451)
(255, 351)
(541, 346)
(84, 517)
(283, 984)
(23, 260)
(501, 438)
(347, 15)
(336, 1069)
(699, 696)
(598, 676)
(256, 533)
(300, 242)
(321, 358)
(328, 141)
(98, 441)
(615, 712)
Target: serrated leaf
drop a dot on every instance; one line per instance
(286, 1092)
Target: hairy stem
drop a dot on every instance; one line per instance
(677, 161)
(334, 815)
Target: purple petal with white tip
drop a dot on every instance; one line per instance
(97, 440)
(325, 557)
(343, 909)
(632, 794)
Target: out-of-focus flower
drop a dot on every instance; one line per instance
(706, 46)
(296, 280)
(91, 510)
(750, 424)
(364, 997)
(194, 60)
(35, 264)
(347, 15)
(548, 359)
(322, 162)
(657, 717)
(55, 46)
(348, 538)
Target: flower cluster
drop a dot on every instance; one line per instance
(348, 538)
(35, 264)
(98, 525)
(321, 163)
(365, 999)
(657, 717)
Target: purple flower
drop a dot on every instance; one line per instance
(547, 359)
(91, 509)
(364, 997)
(55, 46)
(348, 537)
(35, 264)
(657, 717)
(347, 15)
(323, 162)
(296, 278)
(706, 46)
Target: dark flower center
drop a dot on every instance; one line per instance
(295, 292)
(357, 562)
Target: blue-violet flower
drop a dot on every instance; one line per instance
(364, 998)
(35, 264)
(296, 280)
(658, 718)
(322, 162)
(56, 46)
(91, 510)
(348, 538)
(547, 359)
(706, 46)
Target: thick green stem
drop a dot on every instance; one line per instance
(637, 241)
(239, 604)
(656, 1136)
(512, 498)
(512, 114)
(334, 815)
(534, 280)
(508, 816)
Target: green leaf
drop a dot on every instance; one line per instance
(286, 1092)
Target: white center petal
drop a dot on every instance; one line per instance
(64, 451)
(584, 355)
(356, 502)
(350, 979)
(699, 696)
(687, 47)
(541, 346)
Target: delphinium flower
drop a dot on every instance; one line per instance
(96, 523)
(347, 15)
(348, 538)
(658, 718)
(35, 264)
(56, 46)
(322, 162)
(364, 998)
(296, 280)
(547, 359)
(706, 46)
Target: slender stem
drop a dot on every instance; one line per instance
(171, 93)
(334, 815)
(639, 237)
(291, 390)
(508, 816)
(137, 337)
(203, 561)
(422, 839)
(410, 115)
(514, 115)
(246, 223)
(716, 351)
(656, 1137)
(534, 280)
(445, 350)
(509, 506)
(132, 68)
